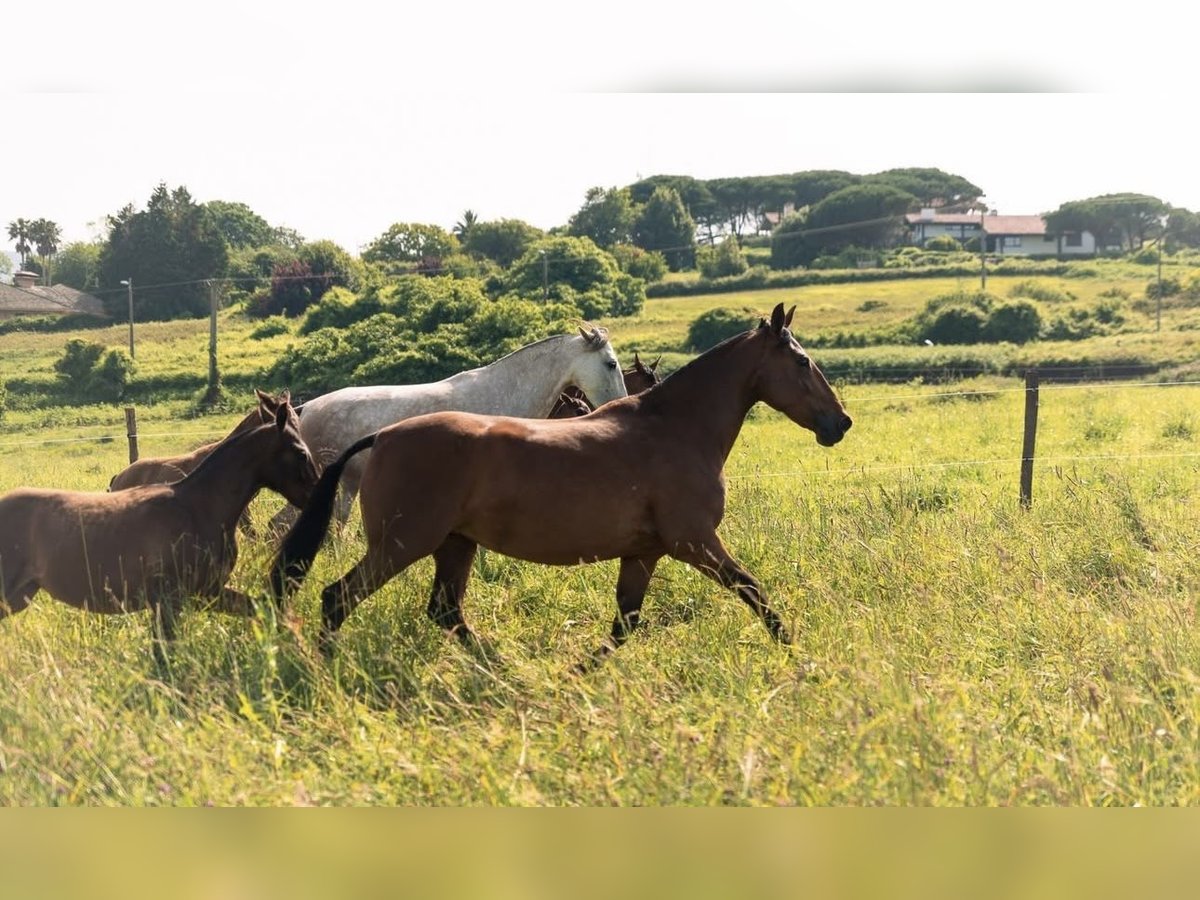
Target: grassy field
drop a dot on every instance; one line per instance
(951, 648)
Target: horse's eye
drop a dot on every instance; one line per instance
(802, 361)
(611, 363)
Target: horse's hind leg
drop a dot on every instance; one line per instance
(710, 557)
(371, 573)
(632, 582)
(452, 570)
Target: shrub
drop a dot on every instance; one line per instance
(954, 325)
(726, 258)
(943, 242)
(710, 328)
(1018, 321)
(648, 265)
(269, 327)
(91, 373)
(1170, 287)
(1036, 290)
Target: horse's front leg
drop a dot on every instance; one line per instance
(709, 556)
(632, 582)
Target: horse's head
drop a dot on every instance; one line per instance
(291, 470)
(789, 381)
(641, 377)
(594, 368)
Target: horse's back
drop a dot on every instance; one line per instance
(91, 549)
(530, 488)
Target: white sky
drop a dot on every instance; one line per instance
(338, 120)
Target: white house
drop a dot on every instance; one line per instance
(1004, 235)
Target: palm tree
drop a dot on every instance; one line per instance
(465, 224)
(46, 235)
(19, 232)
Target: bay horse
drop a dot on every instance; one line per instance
(524, 383)
(164, 469)
(639, 377)
(155, 545)
(637, 480)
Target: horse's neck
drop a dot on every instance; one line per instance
(708, 399)
(525, 383)
(227, 479)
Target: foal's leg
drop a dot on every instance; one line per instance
(710, 557)
(452, 570)
(632, 582)
(15, 597)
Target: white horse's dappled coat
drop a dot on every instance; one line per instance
(524, 383)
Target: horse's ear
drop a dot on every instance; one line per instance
(787, 320)
(637, 360)
(286, 396)
(654, 365)
(777, 323)
(283, 413)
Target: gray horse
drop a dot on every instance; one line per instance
(525, 383)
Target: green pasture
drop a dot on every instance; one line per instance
(951, 647)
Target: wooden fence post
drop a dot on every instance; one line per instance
(131, 432)
(1031, 417)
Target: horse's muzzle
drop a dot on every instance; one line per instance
(831, 429)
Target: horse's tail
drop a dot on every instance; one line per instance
(304, 539)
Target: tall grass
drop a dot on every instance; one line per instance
(950, 647)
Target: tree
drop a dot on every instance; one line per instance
(865, 215)
(411, 242)
(464, 225)
(576, 271)
(931, 187)
(169, 250)
(77, 265)
(788, 247)
(327, 260)
(813, 186)
(724, 259)
(18, 230)
(1127, 218)
(735, 202)
(503, 241)
(46, 236)
(664, 225)
(606, 217)
(240, 225)
(1183, 228)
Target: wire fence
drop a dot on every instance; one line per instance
(117, 431)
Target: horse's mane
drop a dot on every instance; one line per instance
(554, 337)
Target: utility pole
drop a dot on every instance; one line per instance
(545, 278)
(1158, 293)
(982, 251)
(128, 282)
(214, 376)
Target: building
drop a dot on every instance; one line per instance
(1004, 235)
(25, 298)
